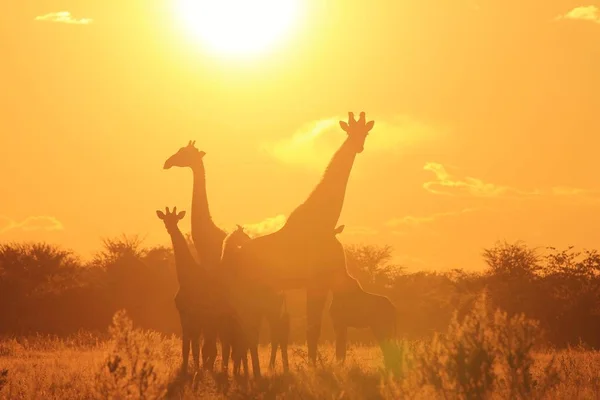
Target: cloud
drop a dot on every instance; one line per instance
(359, 231)
(447, 184)
(450, 185)
(314, 144)
(409, 224)
(266, 226)
(64, 17)
(34, 223)
(413, 221)
(583, 13)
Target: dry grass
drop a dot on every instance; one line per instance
(481, 357)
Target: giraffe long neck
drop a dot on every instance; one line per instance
(186, 266)
(322, 210)
(206, 235)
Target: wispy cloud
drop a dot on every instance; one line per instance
(410, 224)
(448, 184)
(266, 226)
(63, 17)
(410, 220)
(583, 13)
(33, 223)
(313, 144)
(360, 231)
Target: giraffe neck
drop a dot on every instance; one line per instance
(321, 211)
(206, 235)
(185, 264)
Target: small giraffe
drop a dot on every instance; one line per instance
(272, 308)
(190, 276)
(353, 307)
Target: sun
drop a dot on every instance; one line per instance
(239, 27)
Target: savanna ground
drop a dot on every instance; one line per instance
(455, 344)
(484, 355)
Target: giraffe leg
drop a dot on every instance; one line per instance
(226, 335)
(274, 325)
(255, 361)
(238, 345)
(284, 338)
(209, 347)
(245, 363)
(315, 302)
(252, 336)
(195, 339)
(341, 337)
(185, 350)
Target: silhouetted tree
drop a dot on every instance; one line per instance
(512, 260)
(371, 265)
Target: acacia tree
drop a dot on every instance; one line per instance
(372, 265)
(513, 277)
(572, 279)
(31, 276)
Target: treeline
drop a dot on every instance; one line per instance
(48, 289)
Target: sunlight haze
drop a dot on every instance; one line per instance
(238, 27)
(486, 119)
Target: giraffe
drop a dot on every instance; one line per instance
(273, 309)
(322, 209)
(191, 278)
(303, 253)
(280, 336)
(208, 239)
(356, 308)
(206, 235)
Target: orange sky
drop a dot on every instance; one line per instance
(487, 122)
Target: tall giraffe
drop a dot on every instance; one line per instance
(206, 235)
(322, 209)
(191, 278)
(208, 239)
(304, 253)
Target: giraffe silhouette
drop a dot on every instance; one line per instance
(191, 278)
(303, 253)
(208, 239)
(353, 307)
(273, 309)
(322, 209)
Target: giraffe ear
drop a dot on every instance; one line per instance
(339, 229)
(160, 214)
(202, 153)
(181, 215)
(344, 126)
(369, 125)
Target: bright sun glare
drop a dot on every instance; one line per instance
(239, 27)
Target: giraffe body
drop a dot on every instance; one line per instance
(189, 301)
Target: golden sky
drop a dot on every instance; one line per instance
(487, 122)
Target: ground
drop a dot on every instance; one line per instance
(145, 365)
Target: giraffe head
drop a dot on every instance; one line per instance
(186, 156)
(170, 218)
(357, 130)
(232, 243)
(238, 237)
